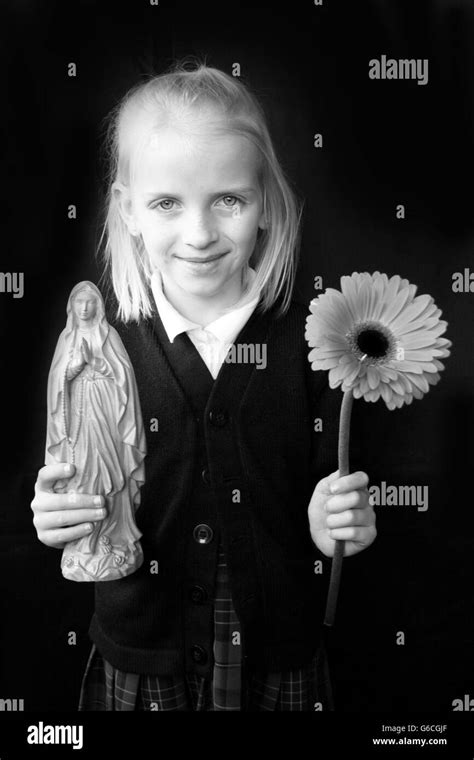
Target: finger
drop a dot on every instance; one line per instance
(348, 500)
(61, 536)
(65, 518)
(52, 502)
(351, 518)
(50, 473)
(352, 533)
(350, 482)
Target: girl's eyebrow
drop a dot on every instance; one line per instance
(228, 191)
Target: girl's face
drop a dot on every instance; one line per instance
(196, 202)
(85, 306)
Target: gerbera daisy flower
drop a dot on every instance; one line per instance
(377, 338)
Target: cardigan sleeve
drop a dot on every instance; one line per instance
(324, 404)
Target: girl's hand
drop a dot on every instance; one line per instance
(340, 509)
(63, 517)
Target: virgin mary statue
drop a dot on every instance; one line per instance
(95, 423)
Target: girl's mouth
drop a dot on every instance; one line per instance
(201, 260)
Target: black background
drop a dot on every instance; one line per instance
(385, 143)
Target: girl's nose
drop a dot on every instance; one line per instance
(200, 231)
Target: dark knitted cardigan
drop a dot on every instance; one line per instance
(249, 439)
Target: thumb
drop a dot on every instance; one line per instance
(324, 483)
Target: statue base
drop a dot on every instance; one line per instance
(109, 563)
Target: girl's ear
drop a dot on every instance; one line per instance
(122, 196)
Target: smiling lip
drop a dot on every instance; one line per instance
(202, 261)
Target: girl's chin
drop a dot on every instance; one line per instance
(202, 278)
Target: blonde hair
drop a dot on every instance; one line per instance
(126, 263)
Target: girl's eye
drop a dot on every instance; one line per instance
(167, 204)
(163, 206)
(233, 200)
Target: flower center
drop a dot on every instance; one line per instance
(371, 342)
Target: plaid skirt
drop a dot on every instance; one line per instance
(230, 688)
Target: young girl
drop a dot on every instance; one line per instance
(240, 499)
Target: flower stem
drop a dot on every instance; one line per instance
(343, 466)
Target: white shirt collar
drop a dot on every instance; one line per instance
(225, 328)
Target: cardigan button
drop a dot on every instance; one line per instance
(198, 654)
(203, 534)
(218, 418)
(198, 594)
